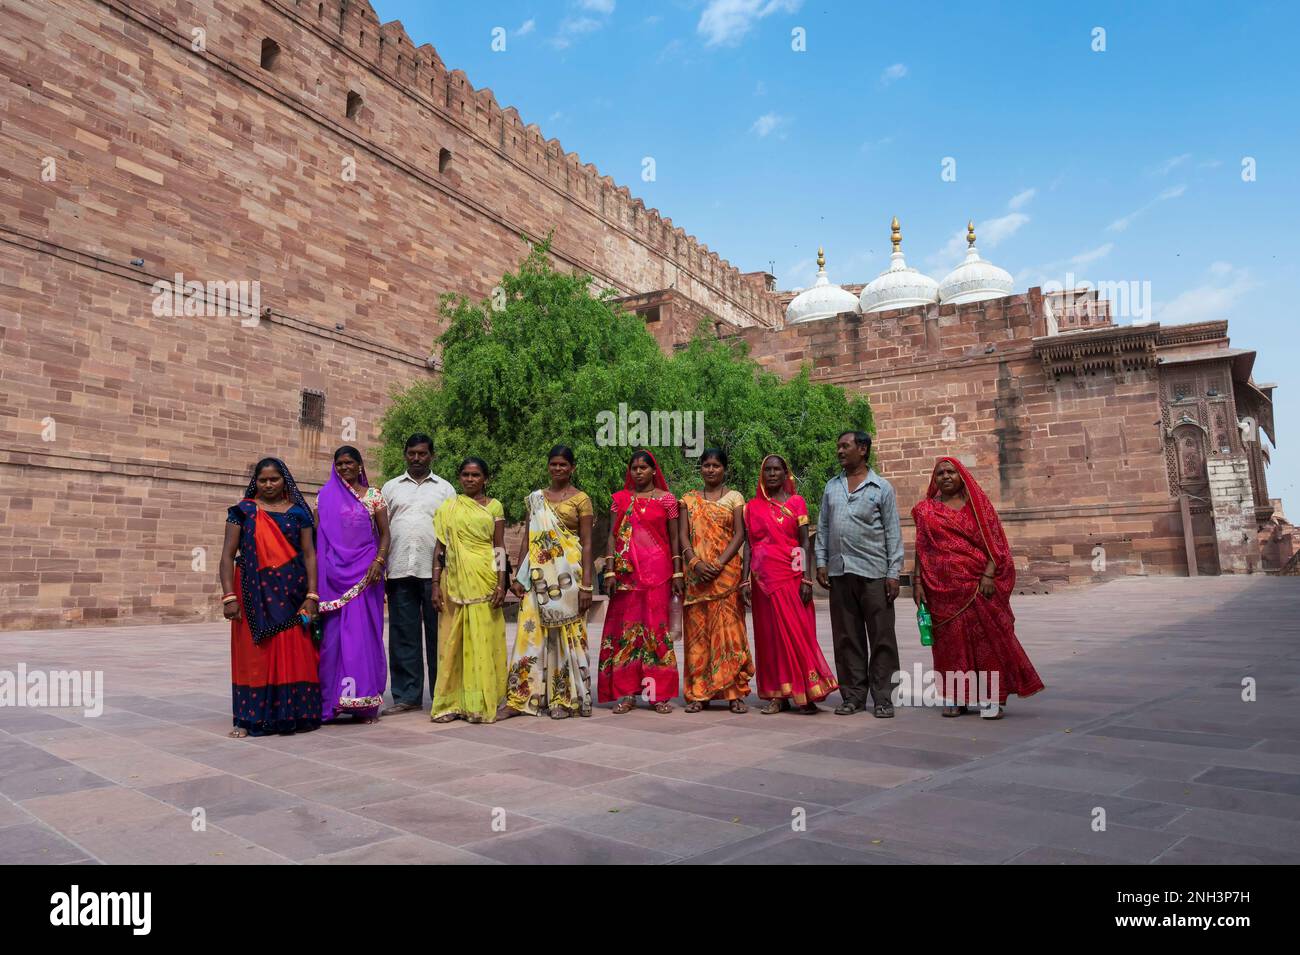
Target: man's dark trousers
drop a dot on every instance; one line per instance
(410, 604)
(862, 619)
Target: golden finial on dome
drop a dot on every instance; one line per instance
(970, 232)
(895, 236)
(821, 258)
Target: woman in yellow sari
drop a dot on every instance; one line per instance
(717, 664)
(468, 593)
(549, 665)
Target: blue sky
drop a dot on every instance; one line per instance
(1115, 165)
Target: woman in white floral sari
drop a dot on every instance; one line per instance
(548, 668)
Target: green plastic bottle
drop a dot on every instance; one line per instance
(923, 624)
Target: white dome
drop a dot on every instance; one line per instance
(823, 300)
(898, 286)
(975, 279)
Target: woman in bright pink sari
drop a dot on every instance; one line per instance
(790, 664)
(636, 645)
(964, 574)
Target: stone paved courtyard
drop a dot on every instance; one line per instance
(1143, 717)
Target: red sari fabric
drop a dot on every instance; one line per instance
(972, 633)
(790, 664)
(636, 644)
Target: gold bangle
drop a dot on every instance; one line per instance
(587, 589)
(679, 576)
(229, 599)
(312, 596)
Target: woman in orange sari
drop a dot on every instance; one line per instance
(717, 664)
(791, 666)
(964, 573)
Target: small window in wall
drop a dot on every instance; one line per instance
(313, 410)
(270, 53)
(650, 314)
(444, 160)
(354, 104)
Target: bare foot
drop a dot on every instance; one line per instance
(238, 733)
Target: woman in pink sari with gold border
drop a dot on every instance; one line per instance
(636, 646)
(790, 664)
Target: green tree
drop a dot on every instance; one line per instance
(540, 369)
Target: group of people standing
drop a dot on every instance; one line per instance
(305, 592)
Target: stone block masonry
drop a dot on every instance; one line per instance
(145, 131)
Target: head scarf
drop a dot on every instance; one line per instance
(346, 541)
(630, 486)
(788, 486)
(985, 514)
(290, 485)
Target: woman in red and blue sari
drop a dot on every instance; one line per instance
(791, 666)
(268, 576)
(352, 544)
(636, 646)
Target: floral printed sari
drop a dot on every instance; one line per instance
(636, 647)
(548, 669)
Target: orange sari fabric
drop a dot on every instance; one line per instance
(717, 664)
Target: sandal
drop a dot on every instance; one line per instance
(663, 707)
(738, 706)
(559, 713)
(775, 706)
(694, 706)
(238, 733)
(445, 718)
(951, 711)
(808, 709)
(624, 705)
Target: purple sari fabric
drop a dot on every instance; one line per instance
(353, 669)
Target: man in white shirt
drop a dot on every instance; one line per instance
(412, 499)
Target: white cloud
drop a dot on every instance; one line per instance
(1092, 255)
(725, 22)
(526, 27)
(993, 231)
(1021, 198)
(597, 6)
(1122, 223)
(1216, 298)
(766, 123)
(1164, 168)
(572, 28)
(895, 72)
(989, 234)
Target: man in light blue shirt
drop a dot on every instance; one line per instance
(859, 559)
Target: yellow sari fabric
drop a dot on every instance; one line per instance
(549, 666)
(471, 633)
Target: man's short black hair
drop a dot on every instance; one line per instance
(415, 439)
(860, 438)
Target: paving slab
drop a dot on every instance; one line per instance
(1143, 716)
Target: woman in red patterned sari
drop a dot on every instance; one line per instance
(964, 574)
(791, 666)
(636, 645)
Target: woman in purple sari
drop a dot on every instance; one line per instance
(351, 547)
